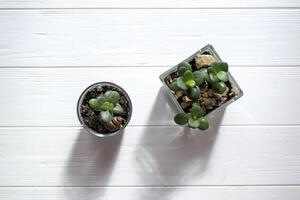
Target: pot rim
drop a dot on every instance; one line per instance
(80, 100)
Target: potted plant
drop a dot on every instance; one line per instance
(200, 86)
(104, 109)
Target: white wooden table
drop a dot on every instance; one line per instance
(50, 50)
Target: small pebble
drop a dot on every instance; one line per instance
(204, 60)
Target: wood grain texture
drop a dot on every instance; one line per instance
(150, 193)
(148, 4)
(145, 156)
(147, 37)
(48, 96)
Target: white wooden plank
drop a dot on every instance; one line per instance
(48, 96)
(143, 156)
(150, 193)
(148, 4)
(147, 37)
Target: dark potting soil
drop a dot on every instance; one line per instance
(90, 116)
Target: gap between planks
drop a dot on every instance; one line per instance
(163, 126)
(157, 186)
(154, 66)
(155, 8)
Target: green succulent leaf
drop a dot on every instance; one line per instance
(223, 76)
(220, 87)
(221, 66)
(181, 70)
(101, 99)
(181, 118)
(94, 104)
(186, 65)
(210, 70)
(182, 67)
(197, 111)
(198, 77)
(112, 96)
(107, 106)
(190, 83)
(205, 74)
(213, 78)
(118, 109)
(193, 123)
(187, 76)
(193, 93)
(181, 83)
(173, 86)
(203, 123)
(106, 116)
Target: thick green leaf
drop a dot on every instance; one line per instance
(193, 123)
(205, 74)
(223, 76)
(101, 99)
(181, 118)
(181, 83)
(94, 104)
(198, 77)
(186, 65)
(220, 87)
(213, 78)
(173, 86)
(107, 106)
(221, 66)
(197, 111)
(187, 76)
(203, 123)
(181, 70)
(112, 96)
(118, 109)
(106, 116)
(210, 70)
(182, 67)
(190, 83)
(193, 93)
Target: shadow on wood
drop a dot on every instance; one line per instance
(175, 155)
(91, 163)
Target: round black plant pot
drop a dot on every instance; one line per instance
(84, 112)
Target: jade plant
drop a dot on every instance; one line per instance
(188, 84)
(217, 76)
(108, 105)
(194, 118)
(188, 81)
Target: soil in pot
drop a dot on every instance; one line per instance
(208, 99)
(91, 116)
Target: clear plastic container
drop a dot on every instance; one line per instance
(81, 98)
(208, 48)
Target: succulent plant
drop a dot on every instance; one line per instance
(217, 76)
(194, 118)
(108, 105)
(188, 83)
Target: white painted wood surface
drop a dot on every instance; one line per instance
(49, 96)
(151, 156)
(150, 193)
(92, 4)
(50, 50)
(147, 37)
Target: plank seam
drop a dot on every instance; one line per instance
(173, 126)
(154, 186)
(154, 8)
(138, 66)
